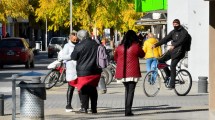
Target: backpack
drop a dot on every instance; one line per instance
(187, 44)
(102, 57)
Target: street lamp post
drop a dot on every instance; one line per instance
(70, 16)
(46, 37)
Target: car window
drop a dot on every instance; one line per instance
(57, 40)
(9, 43)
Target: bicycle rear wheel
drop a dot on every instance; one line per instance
(106, 73)
(183, 82)
(151, 84)
(51, 78)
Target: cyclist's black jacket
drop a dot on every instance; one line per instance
(177, 38)
(85, 53)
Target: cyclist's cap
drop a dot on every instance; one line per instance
(176, 21)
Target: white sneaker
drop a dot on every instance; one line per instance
(69, 109)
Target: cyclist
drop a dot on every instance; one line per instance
(176, 51)
(151, 55)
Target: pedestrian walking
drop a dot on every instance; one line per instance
(85, 53)
(127, 56)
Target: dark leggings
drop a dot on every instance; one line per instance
(70, 92)
(129, 95)
(87, 93)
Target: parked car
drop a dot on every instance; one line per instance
(55, 45)
(15, 51)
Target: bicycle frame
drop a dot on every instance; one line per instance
(160, 68)
(61, 69)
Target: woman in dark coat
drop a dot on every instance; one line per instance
(127, 56)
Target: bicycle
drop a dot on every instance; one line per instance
(152, 81)
(56, 76)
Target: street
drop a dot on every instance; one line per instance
(41, 62)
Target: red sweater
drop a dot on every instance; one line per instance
(131, 68)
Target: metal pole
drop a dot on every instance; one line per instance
(70, 16)
(46, 37)
(14, 97)
(14, 77)
(1, 104)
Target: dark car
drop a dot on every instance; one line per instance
(55, 45)
(16, 51)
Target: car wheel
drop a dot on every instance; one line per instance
(32, 64)
(27, 64)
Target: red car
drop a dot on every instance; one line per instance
(15, 51)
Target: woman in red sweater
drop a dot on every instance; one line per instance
(127, 56)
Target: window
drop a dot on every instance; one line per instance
(9, 43)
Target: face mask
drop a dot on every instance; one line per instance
(176, 27)
(74, 43)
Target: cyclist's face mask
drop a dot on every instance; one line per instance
(176, 26)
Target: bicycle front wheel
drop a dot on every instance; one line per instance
(51, 78)
(151, 84)
(183, 82)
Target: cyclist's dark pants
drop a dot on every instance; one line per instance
(174, 62)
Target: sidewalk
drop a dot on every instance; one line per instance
(165, 106)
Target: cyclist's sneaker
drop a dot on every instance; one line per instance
(152, 81)
(170, 87)
(69, 108)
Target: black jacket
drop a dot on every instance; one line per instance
(177, 38)
(85, 53)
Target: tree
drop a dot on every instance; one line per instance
(14, 9)
(116, 14)
(55, 11)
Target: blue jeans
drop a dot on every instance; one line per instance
(151, 64)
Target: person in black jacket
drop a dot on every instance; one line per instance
(176, 51)
(85, 53)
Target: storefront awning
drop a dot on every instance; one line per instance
(152, 19)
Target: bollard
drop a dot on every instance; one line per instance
(202, 84)
(1, 104)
